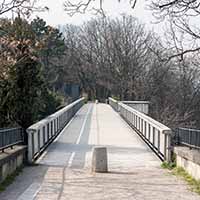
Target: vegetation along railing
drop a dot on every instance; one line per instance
(44, 131)
(10, 137)
(155, 134)
(188, 137)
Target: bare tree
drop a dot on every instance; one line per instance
(86, 5)
(120, 57)
(24, 7)
(112, 54)
(182, 17)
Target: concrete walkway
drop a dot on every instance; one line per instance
(64, 170)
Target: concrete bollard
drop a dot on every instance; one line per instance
(99, 160)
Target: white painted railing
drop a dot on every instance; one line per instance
(157, 135)
(113, 103)
(142, 106)
(44, 131)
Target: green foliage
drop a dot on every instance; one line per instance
(116, 98)
(10, 179)
(179, 171)
(52, 51)
(170, 166)
(194, 184)
(25, 92)
(85, 100)
(21, 82)
(49, 101)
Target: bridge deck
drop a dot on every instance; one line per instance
(63, 171)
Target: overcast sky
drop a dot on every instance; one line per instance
(57, 16)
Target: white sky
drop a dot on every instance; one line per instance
(57, 16)
(113, 8)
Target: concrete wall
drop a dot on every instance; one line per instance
(189, 160)
(10, 160)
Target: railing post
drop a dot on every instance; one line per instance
(30, 145)
(168, 146)
(190, 138)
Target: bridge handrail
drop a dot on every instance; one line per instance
(139, 102)
(154, 122)
(54, 115)
(113, 103)
(156, 134)
(43, 132)
(10, 137)
(188, 137)
(141, 106)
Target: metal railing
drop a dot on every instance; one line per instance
(187, 137)
(44, 132)
(10, 137)
(157, 135)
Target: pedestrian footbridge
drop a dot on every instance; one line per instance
(60, 148)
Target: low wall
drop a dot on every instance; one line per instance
(189, 159)
(10, 160)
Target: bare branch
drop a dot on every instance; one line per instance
(24, 7)
(133, 3)
(168, 4)
(86, 5)
(181, 54)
